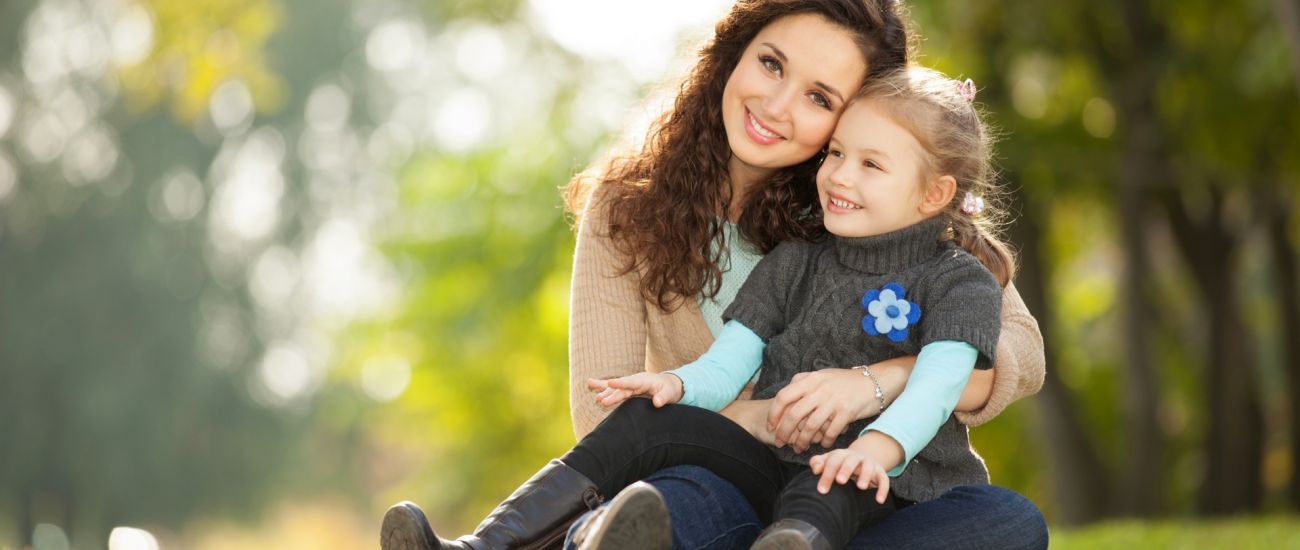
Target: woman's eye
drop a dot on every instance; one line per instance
(820, 100)
(771, 64)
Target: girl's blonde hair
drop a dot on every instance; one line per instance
(947, 124)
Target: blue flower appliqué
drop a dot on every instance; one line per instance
(888, 313)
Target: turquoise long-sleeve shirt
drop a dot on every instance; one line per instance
(942, 368)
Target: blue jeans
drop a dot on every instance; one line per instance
(708, 512)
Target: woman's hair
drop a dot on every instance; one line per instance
(664, 201)
(940, 113)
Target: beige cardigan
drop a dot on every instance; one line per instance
(614, 332)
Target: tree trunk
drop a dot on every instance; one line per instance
(1284, 258)
(1288, 300)
(1234, 443)
(1078, 475)
(1140, 166)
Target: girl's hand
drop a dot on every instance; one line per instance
(817, 406)
(661, 388)
(841, 465)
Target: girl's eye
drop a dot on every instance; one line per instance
(871, 164)
(820, 100)
(770, 63)
(834, 153)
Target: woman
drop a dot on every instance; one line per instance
(656, 263)
(668, 234)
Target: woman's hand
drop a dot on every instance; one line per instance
(751, 414)
(817, 406)
(662, 388)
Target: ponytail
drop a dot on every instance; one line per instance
(988, 249)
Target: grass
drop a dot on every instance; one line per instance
(1265, 533)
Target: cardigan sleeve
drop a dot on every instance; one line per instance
(1019, 366)
(607, 317)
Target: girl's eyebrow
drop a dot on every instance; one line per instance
(868, 151)
(824, 86)
(864, 151)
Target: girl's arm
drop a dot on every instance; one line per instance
(941, 371)
(886, 447)
(710, 382)
(607, 318)
(713, 381)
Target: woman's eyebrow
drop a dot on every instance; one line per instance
(827, 87)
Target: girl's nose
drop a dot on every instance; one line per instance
(841, 175)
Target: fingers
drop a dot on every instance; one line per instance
(882, 484)
(611, 397)
(662, 396)
(836, 427)
(870, 473)
(830, 469)
(816, 422)
(788, 396)
(596, 384)
(790, 422)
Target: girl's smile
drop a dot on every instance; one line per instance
(871, 182)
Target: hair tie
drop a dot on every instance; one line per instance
(972, 204)
(967, 90)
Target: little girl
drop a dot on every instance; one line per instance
(907, 270)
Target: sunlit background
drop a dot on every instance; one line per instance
(268, 266)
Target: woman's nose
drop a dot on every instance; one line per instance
(776, 105)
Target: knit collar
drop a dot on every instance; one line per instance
(894, 251)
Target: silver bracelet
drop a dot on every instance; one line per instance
(880, 393)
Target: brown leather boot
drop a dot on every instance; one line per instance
(791, 534)
(537, 515)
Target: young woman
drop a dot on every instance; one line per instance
(669, 233)
(684, 220)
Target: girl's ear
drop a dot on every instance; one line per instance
(938, 194)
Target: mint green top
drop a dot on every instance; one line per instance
(737, 262)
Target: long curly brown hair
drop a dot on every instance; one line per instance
(664, 201)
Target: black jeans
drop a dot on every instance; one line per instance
(637, 440)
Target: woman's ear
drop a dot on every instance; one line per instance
(938, 194)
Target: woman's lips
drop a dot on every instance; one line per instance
(758, 132)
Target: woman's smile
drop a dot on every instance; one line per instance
(759, 132)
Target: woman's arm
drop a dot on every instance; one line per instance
(607, 318)
(817, 406)
(1019, 367)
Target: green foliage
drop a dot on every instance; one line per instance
(1265, 533)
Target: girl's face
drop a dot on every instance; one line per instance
(783, 98)
(872, 180)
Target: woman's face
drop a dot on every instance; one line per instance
(786, 93)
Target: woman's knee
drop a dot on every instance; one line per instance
(1007, 511)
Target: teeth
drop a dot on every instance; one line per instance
(753, 123)
(844, 204)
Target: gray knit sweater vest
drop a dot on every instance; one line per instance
(806, 301)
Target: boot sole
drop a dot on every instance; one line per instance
(636, 519)
(782, 540)
(405, 528)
